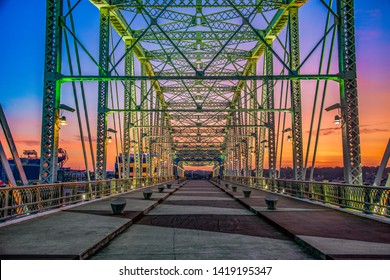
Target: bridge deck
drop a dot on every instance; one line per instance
(197, 221)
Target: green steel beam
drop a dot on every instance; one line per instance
(348, 93)
(51, 93)
(199, 110)
(101, 139)
(129, 94)
(197, 3)
(298, 163)
(302, 77)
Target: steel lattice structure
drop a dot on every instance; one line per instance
(200, 82)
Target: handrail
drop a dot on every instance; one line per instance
(373, 200)
(26, 200)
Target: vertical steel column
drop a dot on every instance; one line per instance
(263, 119)
(240, 131)
(159, 125)
(237, 143)
(137, 170)
(51, 93)
(232, 159)
(176, 168)
(228, 164)
(149, 168)
(253, 120)
(156, 131)
(245, 122)
(348, 93)
(270, 115)
(296, 114)
(166, 145)
(163, 145)
(101, 139)
(227, 159)
(170, 164)
(134, 132)
(145, 121)
(220, 167)
(237, 150)
(256, 122)
(128, 84)
(171, 152)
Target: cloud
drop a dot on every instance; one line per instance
(330, 130)
(335, 130)
(372, 130)
(327, 131)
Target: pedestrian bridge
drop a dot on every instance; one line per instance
(220, 84)
(193, 220)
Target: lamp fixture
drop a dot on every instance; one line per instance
(63, 120)
(337, 120)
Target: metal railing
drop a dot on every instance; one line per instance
(366, 199)
(27, 200)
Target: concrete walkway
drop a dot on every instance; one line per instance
(196, 221)
(199, 221)
(77, 232)
(327, 233)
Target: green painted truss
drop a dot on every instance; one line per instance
(199, 82)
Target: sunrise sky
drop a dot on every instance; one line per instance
(22, 29)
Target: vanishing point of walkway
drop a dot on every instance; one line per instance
(197, 220)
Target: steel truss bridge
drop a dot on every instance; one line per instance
(215, 83)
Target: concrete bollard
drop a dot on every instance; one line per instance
(118, 206)
(147, 193)
(247, 193)
(271, 202)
